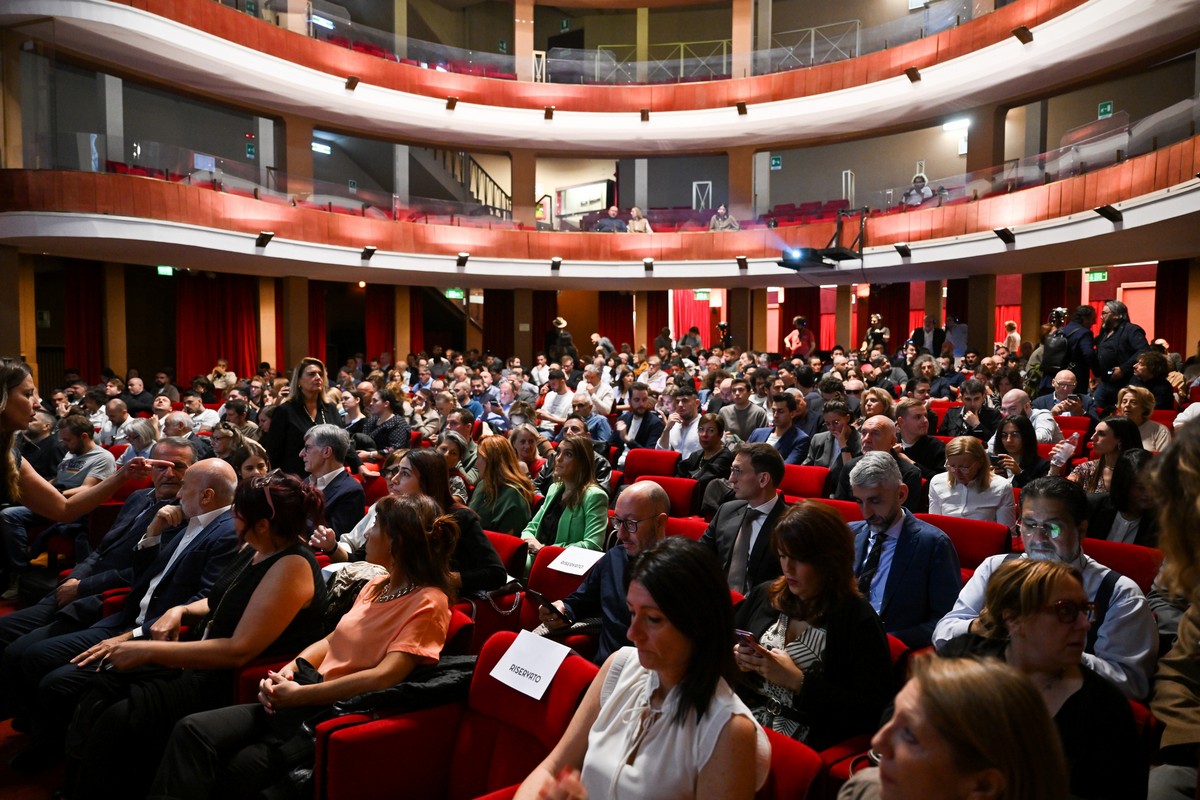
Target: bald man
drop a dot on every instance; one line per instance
(185, 548)
(879, 434)
(1016, 403)
(1066, 399)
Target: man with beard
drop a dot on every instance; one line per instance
(907, 569)
(637, 427)
(1122, 643)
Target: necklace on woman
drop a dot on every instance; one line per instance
(394, 594)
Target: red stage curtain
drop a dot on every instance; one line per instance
(317, 331)
(545, 309)
(498, 321)
(689, 312)
(1099, 306)
(1171, 286)
(891, 302)
(615, 318)
(416, 319)
(280, 364)
(214, 319)
(85, 319)
(916, 319)
(825, 337)
(802, 301)
(656, 316)
(1004, 313)
(380, 313)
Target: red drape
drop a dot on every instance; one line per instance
(215, 318)
(416, 319)
(1004, 313)
(688, 313)
(1171, 285)
(280, 364)
(1099, 306)
(545, 309)
(891, 302)
(916, 319)
(802, 301)
(84, 284)
(828, 332)
(656, 317)
(498, 321)
(380, 313)
(615, 318)
(317, 333)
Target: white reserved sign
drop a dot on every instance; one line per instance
(576, 560)
(530, 663)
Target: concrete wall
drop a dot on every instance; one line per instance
(670, 180)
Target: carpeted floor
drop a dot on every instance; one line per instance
(14, 785)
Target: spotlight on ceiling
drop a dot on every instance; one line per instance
(742, 262)
(645, 115)
(264, 239)
(903, 249)
(1109, 213)
(451, 102)
(555, 263)
(367, 252)
(362, 284)
(1006, 235)
(913, 74)
(351, 83)
(648, 263)
(741, 107)
(462, 259)
(1023, 34)
(549, 112)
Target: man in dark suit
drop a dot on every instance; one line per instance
(790, 441)
(324, 457)
(182, 553)
(879, 435)
(76, 602)
(740, 533)
(974, 417)
(907, 569)
(1066, 400)
(931, 337)
(637, 427)
(916, 445)
(179, 424)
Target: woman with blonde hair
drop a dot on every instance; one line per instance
(637, 223)
(969, 488)
(1012, 339)
(965, 730)
(1136, 403)
(141, 435)
(875, 402)
(575, 511)
(503, 496)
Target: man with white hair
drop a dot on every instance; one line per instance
(598, 428)
(879, 435)
(601, 394)
(907, 569)
(1016, 403)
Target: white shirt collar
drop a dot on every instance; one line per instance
(324, 480)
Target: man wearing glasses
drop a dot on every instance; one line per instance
(640, 522)
(1122, 644)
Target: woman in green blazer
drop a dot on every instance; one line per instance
(575, 511)
(503, 497)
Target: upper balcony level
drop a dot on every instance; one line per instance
(209, 49)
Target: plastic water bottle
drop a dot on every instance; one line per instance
(1063, 454)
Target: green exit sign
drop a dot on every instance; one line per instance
(776, 163)
(166, 272)
(455, 294)
(1104, 110)
(1098, 276)
(700, 294)
(251, 149)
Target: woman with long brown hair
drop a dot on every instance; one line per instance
(304, 408)
(503, 496)
(575, 511)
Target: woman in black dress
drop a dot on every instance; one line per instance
(304, 408)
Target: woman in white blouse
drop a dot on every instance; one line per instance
(969, 488)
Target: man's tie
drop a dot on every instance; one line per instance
(740, 557)
(871, 565)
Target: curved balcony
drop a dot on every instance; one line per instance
(219, 52)
(148, 220)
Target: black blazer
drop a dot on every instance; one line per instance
(989, 421)
(929, 454)
(344, 503)
(934, 347)
(763, 564)
(845, 694)
(285, 437)
(1102, 513)
(647, 435)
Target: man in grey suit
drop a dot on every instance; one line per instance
(836, 445)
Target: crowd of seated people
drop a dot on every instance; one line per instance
(537, 465)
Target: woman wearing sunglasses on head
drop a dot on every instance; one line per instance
(1037, 618)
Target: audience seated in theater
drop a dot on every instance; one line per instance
(178, 423)
(601, 467)
(202, 419)
(964, 730)
(669, 694)
(141, 436)
(974, 417)
(875, 403)
(398, 622)
(237, 414)
(250, 460)
(916, 445)
(504, 495)
(91, 405)
(639, 522)
(352, 404)
(791, 442)
(597, 425)
(1137, 404)
(818, 669)
(136, 398)
(907, 569)
(1064, 400)
(556, 405)
(681, 427)
(1017, 453)
(347, 545)
(740, 532)
(969, 489)
(221, 376)
(611, 223)
(164, 385)
(1036, 617)
(183, 551)
(532, 449)
(637, 427)
(879, 435)
(450, 446)
(304, 407)
(387, 428)
(269, 601)
(324, 455)
(1123, 642)
(40, 447)
(1150, 373)
(1129, 512)
(723, 220)
(225, 439)
(116, 426)
(1016, 401)
(1112, 437)
(711, 463)
(575, 511)
(743, 417)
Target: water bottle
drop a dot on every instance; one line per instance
(1063, 454)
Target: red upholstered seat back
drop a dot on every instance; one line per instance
(681, 491)
(691, 528)
(512, 550)
(644, 461)
(794, 767)
(553, 584)
(1139, 564)
(848, 509)
(974, 540)
(801, 481)
(505, 734)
